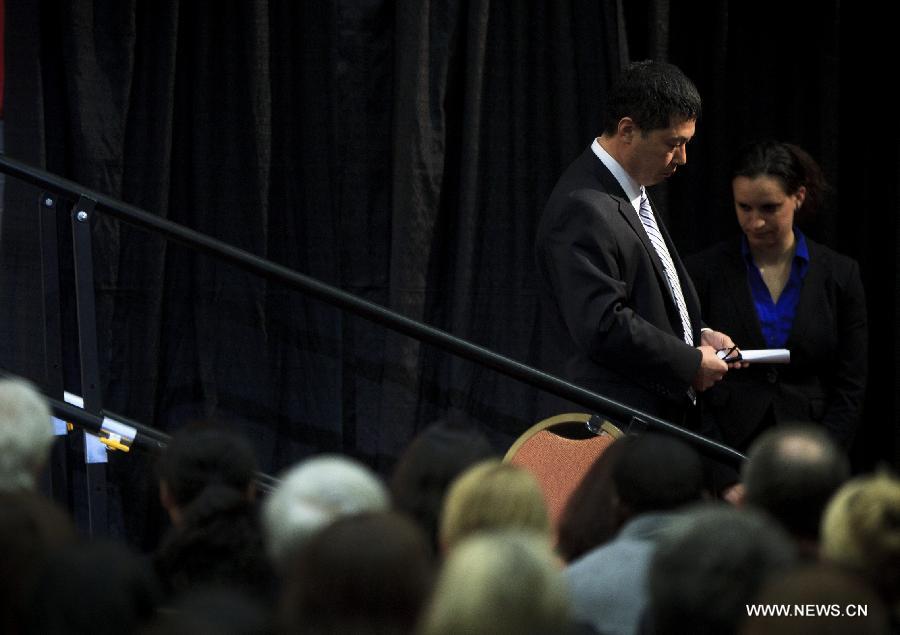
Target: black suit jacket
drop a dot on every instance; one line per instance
(610, 323)
(825, 381)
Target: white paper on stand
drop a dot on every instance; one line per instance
(767, 356)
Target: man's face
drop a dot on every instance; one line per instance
(654, 156)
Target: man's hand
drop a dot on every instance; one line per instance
(711, 370)
(720, 341)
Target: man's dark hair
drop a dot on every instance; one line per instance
(710, 565)
(653, 94)
(791, 473)
(657, 473)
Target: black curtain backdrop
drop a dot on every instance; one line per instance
(401, 150)
(398, 150)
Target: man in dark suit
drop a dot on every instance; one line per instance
(620, 314)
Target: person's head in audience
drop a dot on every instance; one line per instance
(213, 611)
(363, 573)
(637, 474)
(656, 473)
(437, 455)
(94, 588)
(492, 495)
(590, 518)
(842, 604)
(32, 530)
(202, 465)
(314, 493)
(26, 434)
(207, 484)
(505, 582)
(710, 565)
(861, 531)
(791, 473)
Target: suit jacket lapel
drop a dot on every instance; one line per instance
(612, 187)
(813, 282)
(626, 209)
(687, 286)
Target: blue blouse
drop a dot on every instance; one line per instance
(777, 318)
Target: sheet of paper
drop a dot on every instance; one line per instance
(767, 355)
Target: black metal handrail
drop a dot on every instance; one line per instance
(364, 308)
(100, 425)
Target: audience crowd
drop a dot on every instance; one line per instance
(458, 542)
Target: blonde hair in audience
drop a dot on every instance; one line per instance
(500, 582)
(493, 495)
(860, 531)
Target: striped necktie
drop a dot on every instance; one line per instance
(649, 222)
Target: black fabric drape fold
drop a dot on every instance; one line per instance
(401, 151)
(509, 98)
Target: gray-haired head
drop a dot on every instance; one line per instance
(26, 433)
(314, 493)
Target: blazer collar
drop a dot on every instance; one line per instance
(626, 209)
(810, 293)
(628, 185)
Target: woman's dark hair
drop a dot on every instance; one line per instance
(792, 166)
(202, 455)
(368, 573)
(591, 517)
(209, 473)
(437, 455)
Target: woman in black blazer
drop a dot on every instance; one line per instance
(775, 288)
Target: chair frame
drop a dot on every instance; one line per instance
(567, 417)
